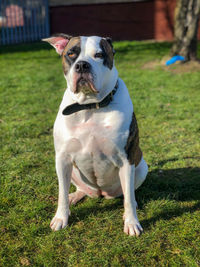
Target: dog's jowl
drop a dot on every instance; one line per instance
(96, 134)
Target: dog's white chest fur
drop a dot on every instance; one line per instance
(95, 140)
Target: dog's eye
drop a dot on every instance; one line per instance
(98, 55)
(71, 55)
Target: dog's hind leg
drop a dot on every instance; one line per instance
(82, 189)
(76, 197)
(140, 173)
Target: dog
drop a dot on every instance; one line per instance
(96, 135)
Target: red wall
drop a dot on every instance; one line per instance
(164, 19)
(151, 19)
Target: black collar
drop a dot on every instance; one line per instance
(77, 107)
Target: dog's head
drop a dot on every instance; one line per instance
(88, 65)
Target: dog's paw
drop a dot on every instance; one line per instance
(76, 197)
(132, 228)
(59, 222)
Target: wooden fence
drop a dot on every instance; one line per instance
(23, 21)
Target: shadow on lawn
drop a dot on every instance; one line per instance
(130, 47)
(25, 47)
(176, 184)
(142, 46)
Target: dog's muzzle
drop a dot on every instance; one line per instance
(84, 78)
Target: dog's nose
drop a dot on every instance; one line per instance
(82, 66)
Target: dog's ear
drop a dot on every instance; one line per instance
(58, 41)
(109, 40)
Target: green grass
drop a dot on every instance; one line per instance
(166, 102)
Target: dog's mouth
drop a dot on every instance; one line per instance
(85, 85)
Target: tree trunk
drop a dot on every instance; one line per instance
(185, 29)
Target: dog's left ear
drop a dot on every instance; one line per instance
(109, 40)
(58, 41)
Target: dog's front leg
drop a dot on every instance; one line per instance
(127, 178)
(64, 171)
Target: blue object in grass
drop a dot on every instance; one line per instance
(174, 59)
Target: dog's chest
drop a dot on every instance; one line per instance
(94, 147)
(94, 135)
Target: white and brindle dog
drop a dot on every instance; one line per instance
(95, 133)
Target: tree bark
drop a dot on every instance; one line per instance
(186, 28)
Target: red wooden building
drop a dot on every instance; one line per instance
(28, 20)
(120, 19)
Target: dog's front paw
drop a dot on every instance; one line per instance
(59, 222)
(132, 227)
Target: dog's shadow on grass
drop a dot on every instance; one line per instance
(179, 185)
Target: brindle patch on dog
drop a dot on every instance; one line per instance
(74, 47)
(133, 151)
(108, 53)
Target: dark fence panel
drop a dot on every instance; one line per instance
(23, 21)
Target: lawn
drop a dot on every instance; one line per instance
(167, 105)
